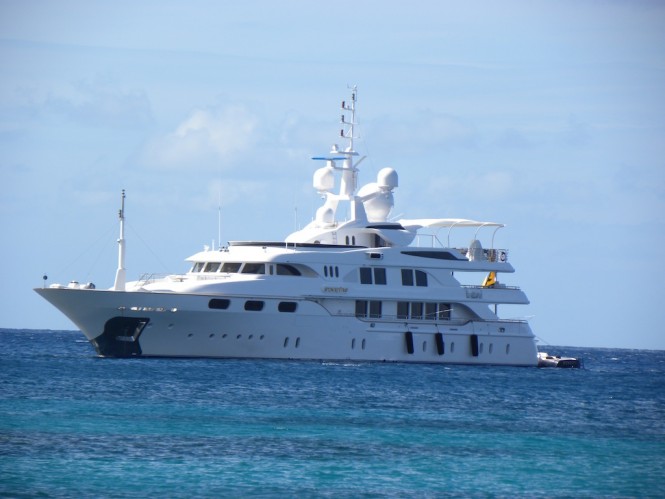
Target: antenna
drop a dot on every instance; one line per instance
(348, 183)
(120, 277)
(219, 219)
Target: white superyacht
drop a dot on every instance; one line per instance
(363, 288)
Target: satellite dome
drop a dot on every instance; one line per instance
(324, 179)
(377, 202)
(387, 179)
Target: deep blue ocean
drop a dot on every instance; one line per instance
(75, 425)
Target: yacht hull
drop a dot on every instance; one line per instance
(148, 324)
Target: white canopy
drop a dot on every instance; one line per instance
(418, 223)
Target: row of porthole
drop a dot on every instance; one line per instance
(481, 347)
(363, 343)
(226, 335)
(252, 305)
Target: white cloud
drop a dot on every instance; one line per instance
(206, 140)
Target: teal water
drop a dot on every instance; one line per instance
(72, 424)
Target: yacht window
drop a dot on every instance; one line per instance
(408, 277)
(430, 311)
(231, 267)
(336, 271)
(369, 275)
(444, 311)
(211, 267)
(325, 270)
(284, 269)
(197, 267)
(370, 309)
(416, 310)
(365, 275)
(287, 306)
(375, 309)
(219, 303)
(254, 305)
(254, 268)
(402, 309)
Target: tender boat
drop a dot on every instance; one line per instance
(547, 360)
(364, 287)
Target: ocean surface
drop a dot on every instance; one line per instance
(75, 425)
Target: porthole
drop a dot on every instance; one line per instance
(219, 303)
(212, 335)
(508, 349)
(262, 336)
(353, 343)
(491, 348)
(297, 342)
(287, 306)
(250, 337)
(424, 346)
(254, 305)
(452, 347)
(239, 336)
(480, 348)
(224, 335)
(286, 342)
(190, 335)
(362, 345)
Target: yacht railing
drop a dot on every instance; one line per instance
(434, 241)
(488, 254)
(427, 321)
(149, 278)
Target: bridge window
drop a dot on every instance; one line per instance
(254, 268)
(211, 267)
(284, 269)
(231, 267)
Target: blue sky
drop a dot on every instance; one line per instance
(546, 116)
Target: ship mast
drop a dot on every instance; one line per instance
(120, 279)
(349, 171)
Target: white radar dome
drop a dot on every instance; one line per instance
(377, 202)
(387, 179)
(324, 179)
